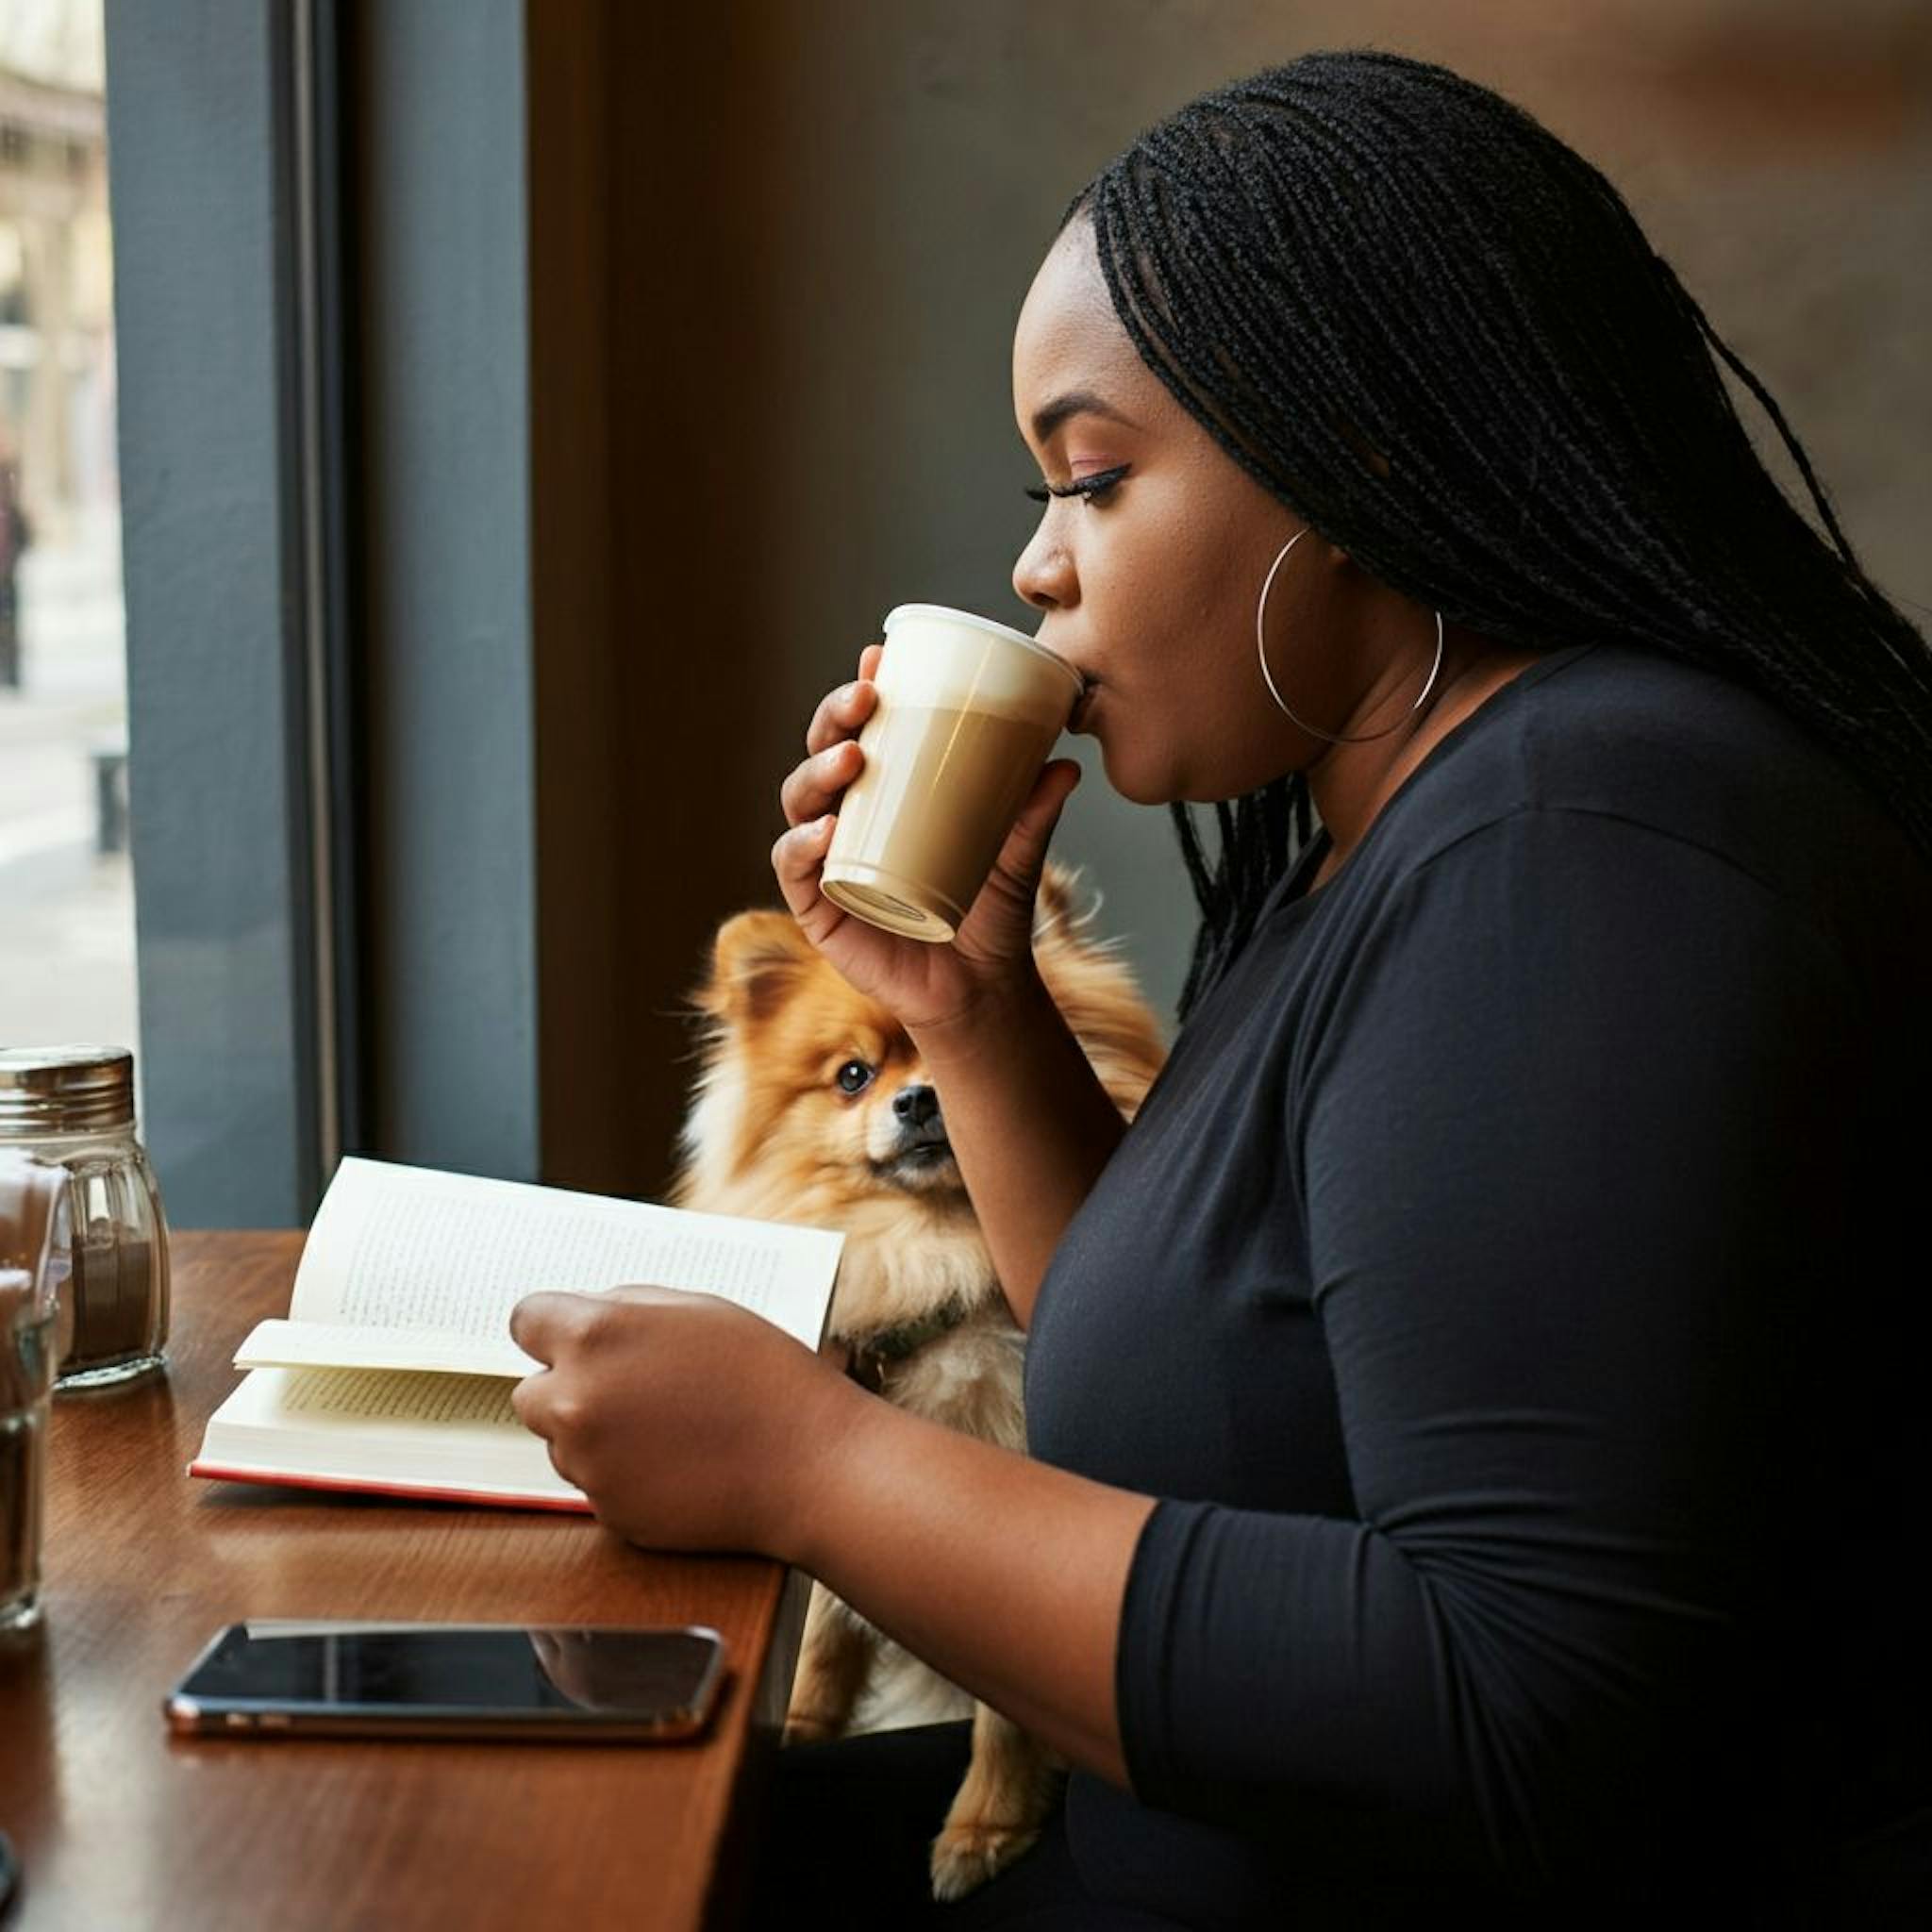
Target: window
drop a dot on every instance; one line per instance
(67, 939)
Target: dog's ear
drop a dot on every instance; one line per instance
(1056, 904)
(755, 960)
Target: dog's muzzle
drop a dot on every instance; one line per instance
(918, 1142)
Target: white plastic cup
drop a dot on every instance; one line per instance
(968, 710)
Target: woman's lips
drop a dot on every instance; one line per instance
(1083, 706)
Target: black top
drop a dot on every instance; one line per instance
(1514, 1285)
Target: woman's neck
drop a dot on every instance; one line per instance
(1350, 784)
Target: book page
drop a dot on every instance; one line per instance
(368, 1396)
(338, 1344)
(380, 1429)
(402, 1247)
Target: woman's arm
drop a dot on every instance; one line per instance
(1004, 1573)
(1031, 1128)
(1566, 1214)
(1570, 1152)
(1029, 1121)
(693, 1424)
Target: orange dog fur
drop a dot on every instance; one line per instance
(811, 1105)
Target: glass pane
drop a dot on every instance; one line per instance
(67, 939)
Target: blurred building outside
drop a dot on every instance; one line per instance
(67, 969)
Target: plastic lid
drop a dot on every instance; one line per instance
(978, 623)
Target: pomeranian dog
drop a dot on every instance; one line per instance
(811, 1105)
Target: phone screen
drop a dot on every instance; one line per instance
(453, 1670)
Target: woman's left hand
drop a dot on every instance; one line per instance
(689, 1422)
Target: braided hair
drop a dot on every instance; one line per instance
(1438, 336)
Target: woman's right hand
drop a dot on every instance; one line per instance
(925, 987)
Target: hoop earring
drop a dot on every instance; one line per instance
(1268, 676)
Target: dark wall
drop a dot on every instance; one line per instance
(815, 226)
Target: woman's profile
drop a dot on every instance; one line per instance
(1475, 1451)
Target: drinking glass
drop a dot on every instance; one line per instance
(35, 1255)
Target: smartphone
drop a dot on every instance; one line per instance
(450, 1680)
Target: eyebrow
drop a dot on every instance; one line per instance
(1077, 402)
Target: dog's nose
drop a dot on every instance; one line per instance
(915, 1105)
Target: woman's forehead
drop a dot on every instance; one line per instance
(1067, 337)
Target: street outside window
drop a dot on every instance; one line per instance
(67, 969)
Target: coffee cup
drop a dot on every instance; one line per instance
(968, 710)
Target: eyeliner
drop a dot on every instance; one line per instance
(1086, 486)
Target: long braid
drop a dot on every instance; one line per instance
(1360, 252)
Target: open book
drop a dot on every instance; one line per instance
(395, 1368)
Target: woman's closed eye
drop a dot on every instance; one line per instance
(1093, 488)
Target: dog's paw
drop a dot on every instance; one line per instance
(805, 1727)
(964, 1856)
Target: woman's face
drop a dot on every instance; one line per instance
(1149, 583)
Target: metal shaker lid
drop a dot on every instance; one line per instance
(65, 1090)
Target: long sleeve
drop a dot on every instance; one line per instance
(1571, 1141)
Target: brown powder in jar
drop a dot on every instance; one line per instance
(113, 1292)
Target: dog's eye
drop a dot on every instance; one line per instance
(854, 1076)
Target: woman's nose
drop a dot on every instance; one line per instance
(1043, 575)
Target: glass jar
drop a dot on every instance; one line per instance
(34, 1245)
(74, 1104)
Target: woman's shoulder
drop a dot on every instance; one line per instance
(1631, 734)
(1613, 737)
(1629, 724)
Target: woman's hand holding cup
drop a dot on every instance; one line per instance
(927, 987)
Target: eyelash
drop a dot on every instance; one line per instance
(1093, 488)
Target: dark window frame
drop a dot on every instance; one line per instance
(224, 189)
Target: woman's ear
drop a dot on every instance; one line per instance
(756, 960)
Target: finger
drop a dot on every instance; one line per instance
(817, 785)
(557, 1462)
(1024, 856)
(534, 1404)
(798, 859)
(841, 713)
(528, 1401)
(542, 1324)
(653, 1295)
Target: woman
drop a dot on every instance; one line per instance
(1475, 1442)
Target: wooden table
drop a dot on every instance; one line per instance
(118, 1825)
